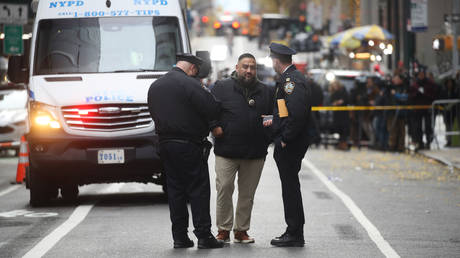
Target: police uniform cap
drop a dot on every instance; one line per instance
(279, 49)
(189, 58)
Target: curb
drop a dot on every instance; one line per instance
(442, 160)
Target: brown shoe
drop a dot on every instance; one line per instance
(243, 237)
(223, 236)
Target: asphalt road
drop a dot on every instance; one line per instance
(357, 204)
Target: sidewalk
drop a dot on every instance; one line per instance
(448, 156)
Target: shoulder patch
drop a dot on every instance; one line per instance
(289, 87)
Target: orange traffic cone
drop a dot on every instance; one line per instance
(23, 161)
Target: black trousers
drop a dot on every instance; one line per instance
(289, 161)
(187, 177)
(424, 115)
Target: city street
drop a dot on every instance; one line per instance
(357, 204)
(127, 92)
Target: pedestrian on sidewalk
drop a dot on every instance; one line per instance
(422, 92)
(182, 110)
(241, 143)
(340, 119)
(291, 128)
(397, 94)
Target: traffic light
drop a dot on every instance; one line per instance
(444, 43)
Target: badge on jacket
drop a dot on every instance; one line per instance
(289, 86)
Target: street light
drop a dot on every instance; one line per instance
(371, 43)
(382, 45)
(390, 47)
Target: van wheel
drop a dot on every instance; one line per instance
(165, 189)
(70, 192)
(40, 191)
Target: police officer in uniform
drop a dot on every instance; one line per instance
(291, 128)
(182, 110)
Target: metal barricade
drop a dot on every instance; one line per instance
(449, 110)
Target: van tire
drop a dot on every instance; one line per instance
(70, 192)
(41, 191)
(165, 189)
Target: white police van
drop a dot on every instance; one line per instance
(91, 65)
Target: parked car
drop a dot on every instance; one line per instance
(346, 77)
(13, 116)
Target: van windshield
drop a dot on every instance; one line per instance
(104, 45)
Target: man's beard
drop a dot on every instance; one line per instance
(247, 82)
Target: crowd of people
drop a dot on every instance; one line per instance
(386, 129)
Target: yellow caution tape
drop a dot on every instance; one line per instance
(352, 108)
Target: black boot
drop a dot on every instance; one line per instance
(184, 242)
(209, 242)
(287, 239)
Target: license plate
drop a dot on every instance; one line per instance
(115, 156)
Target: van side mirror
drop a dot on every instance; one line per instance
(18, 71)
(205, 68)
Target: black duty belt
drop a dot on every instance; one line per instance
(183, 141)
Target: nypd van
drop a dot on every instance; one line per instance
(91, 65)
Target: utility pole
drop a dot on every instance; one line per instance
(455, 11)
(408, 36)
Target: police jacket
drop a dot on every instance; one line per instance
(181, 107)
(244, 135)
(292, 88)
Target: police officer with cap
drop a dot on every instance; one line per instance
(182, 111)
(291, 124)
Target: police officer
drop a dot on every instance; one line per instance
(182, 110)
(291, 127)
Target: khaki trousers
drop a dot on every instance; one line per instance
(249, 171)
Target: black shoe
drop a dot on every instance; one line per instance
(209, 243)
(287, 239)
(183, 243)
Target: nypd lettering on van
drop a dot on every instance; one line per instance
(93, 8)
(60, 4)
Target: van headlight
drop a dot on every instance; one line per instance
(44, 116)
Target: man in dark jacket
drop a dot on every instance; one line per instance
(422, 92)
(341, 120)
(240, 146)
(396, 95)
(291, 127)
(182, 111)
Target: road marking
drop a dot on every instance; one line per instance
(76, 218)
(372, 231)
(9, 189)
(26, 213)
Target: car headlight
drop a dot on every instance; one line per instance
(330, 76)
(44, 116)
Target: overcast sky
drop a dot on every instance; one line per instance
(234, 5)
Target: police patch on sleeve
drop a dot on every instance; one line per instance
(289, 87)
